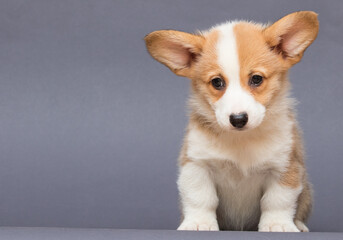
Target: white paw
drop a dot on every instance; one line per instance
(190, 225)
(301, 226)
(288, 226)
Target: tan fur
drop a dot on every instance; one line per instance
(206, 69)
(256, 58)
(292, 176)
(304, 205)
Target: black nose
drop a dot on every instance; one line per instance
(239, 120)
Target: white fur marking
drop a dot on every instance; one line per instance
(236, 99)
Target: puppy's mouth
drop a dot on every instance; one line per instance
(240, 129)
(230, 128)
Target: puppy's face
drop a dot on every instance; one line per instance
(236, 68)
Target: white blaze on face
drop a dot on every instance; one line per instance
(236, 99)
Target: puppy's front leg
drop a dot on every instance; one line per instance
(278, 206)
(198, 198)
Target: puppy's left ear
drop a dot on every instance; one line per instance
(291, 35)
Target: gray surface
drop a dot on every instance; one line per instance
(107, 234)
(91, 126)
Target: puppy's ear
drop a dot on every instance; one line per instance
(177, 50)
(292, 34)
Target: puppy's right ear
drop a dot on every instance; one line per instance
(177, 50)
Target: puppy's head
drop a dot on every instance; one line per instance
(236, 68)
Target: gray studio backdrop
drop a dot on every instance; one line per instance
(91, 126)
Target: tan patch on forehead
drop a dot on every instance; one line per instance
(255, 57)
(207, 68)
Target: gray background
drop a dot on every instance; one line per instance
(91, 126)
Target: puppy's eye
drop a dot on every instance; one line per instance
(218, 83)
(256, 80)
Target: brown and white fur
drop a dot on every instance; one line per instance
(252, 178)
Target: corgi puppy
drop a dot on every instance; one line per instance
(241, 166)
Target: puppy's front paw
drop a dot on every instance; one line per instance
(199, 225)
(278, 226)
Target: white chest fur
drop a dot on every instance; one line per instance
(247, 151)
(239, 166)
